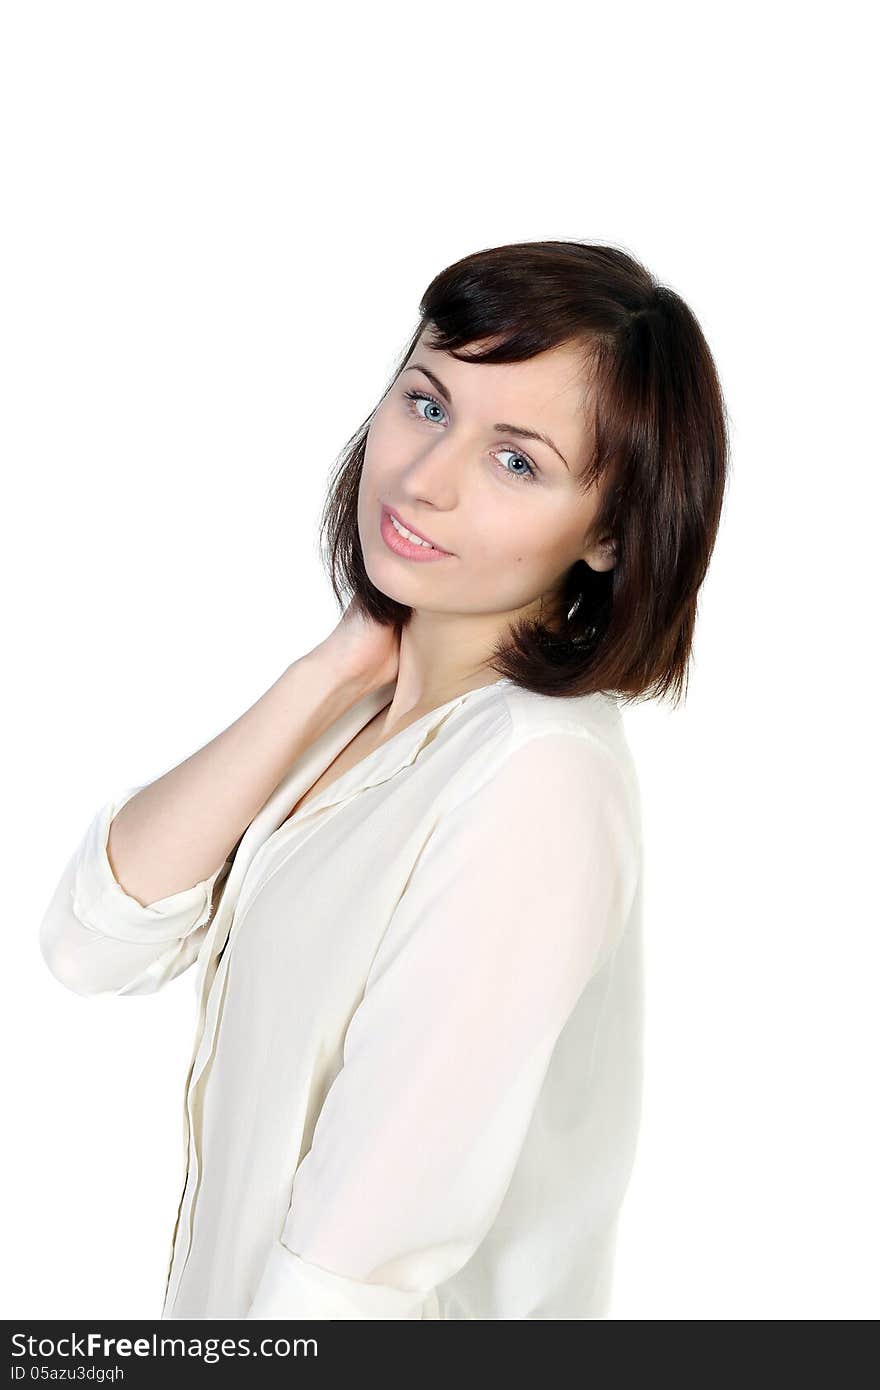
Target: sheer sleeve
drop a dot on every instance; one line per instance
(97, 939)
(519, 897)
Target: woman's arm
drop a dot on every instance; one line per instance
(95, 939)
(180, 828)
(137, 897)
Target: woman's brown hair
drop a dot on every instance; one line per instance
(661, 453)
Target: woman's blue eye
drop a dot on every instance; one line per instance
(423, 396)
(416, 396)
(522, 457)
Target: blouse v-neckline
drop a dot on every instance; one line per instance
(381, 763)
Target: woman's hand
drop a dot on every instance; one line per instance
(360, 650)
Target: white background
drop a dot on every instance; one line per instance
(218, 221)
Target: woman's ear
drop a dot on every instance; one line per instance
(602, 555)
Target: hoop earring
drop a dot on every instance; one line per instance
(575, 606)
(590, 634)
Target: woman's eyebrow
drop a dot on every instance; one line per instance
(504, 428)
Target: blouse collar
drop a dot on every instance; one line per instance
(397, 752)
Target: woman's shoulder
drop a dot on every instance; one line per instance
(587, 728)
(516, 715)
(530, 711)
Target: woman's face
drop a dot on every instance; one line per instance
(506, 509)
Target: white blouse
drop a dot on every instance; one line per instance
(416, 1082)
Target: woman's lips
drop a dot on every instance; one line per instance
(408, 550)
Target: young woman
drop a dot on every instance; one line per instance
(410, 875)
